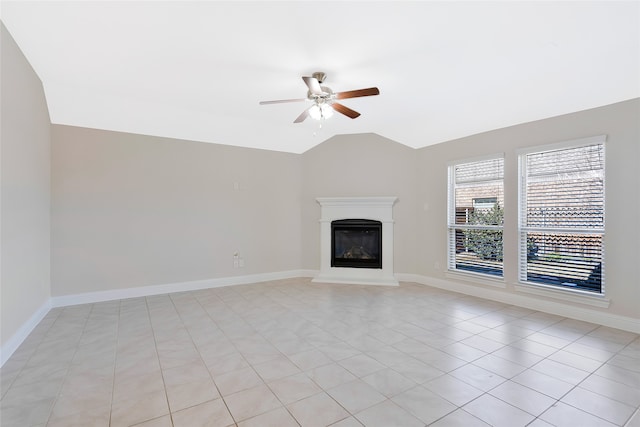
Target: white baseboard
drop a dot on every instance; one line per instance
(21, 334)
(116, 294)
(562, 309)
(144, 291)
(559, 308)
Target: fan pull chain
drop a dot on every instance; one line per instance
(316, 133)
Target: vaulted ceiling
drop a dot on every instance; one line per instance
(197, 70)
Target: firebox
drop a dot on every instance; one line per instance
(356, 243)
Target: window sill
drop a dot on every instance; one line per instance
(482, 279)
(572, 295)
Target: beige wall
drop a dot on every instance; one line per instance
(131, 210)
(620, 122)
(360, 165)
(25, 196)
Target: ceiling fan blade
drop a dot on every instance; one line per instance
(345, 110)
(301, 118)
(313, 84)
(282, 101)
(356, 93)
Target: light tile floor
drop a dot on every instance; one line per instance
(290, 353)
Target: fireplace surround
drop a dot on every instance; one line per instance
(353, 213)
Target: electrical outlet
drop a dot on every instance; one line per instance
(236, 260)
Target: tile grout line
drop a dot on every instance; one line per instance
(200, 354)
(115, 361)
(155, 344)
(70, 361)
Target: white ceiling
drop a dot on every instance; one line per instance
(196, 70)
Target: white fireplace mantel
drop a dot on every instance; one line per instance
(374, 208)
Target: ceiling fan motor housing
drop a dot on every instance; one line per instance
(326, 95)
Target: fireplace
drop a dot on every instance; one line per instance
(354, 250)
(356, 243)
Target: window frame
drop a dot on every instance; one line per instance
(523, 229)
(486, 278)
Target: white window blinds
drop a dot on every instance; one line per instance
(475, 220)
(562, 217)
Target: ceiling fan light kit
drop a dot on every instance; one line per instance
(324, 99)
(320, 111)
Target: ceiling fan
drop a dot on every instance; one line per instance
(324, 99)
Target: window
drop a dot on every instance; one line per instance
(561, 226)
(475, 219)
